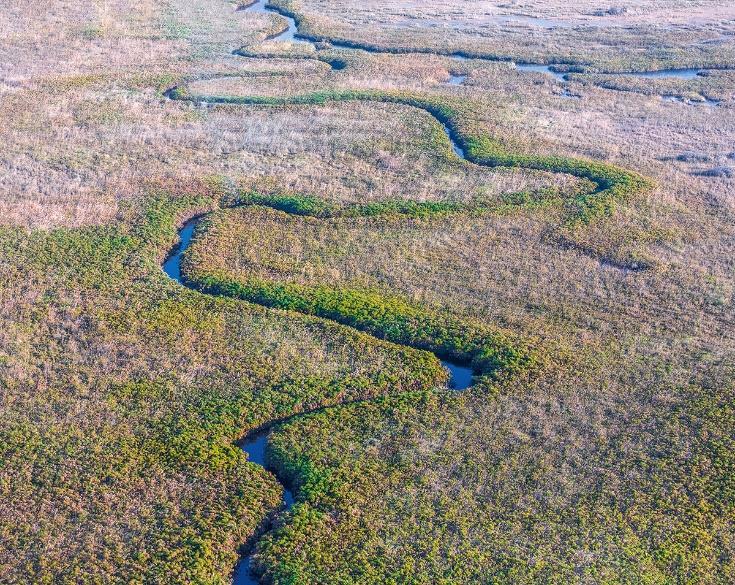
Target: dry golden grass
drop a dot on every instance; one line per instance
(86, 125)
(619, 35)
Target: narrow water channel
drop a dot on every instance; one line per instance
(255, 445)
(292, 34)
(460, 376)
(660, 74)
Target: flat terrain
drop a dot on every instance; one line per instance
(619, 36)
(579, 257)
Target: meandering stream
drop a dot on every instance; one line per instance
(255, 445)
(291, 31)
(460, 376)
(556, 70)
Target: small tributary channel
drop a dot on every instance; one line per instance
(291, 32)
(255, 445)
(556, 70)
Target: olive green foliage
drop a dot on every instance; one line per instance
(406, 489)
(129, 427)
(311, 206)
(595, 445)
(379, 512)
(389, 318)
(613, 184)
(490, 352)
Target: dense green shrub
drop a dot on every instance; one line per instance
(613, 184)
(126, 393)
(390, 318)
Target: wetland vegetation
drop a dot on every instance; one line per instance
(350, 218)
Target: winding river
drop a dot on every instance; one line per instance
(291, 32)
(255, 445)
(556, 70)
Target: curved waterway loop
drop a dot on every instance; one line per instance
(292, 30)
(556, 70)
(255, 445)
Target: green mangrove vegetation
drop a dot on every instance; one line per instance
(613, 184)
(345, 241)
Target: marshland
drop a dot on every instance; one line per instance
(319, 291)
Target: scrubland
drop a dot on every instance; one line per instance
(596, 445)
(123, 394)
